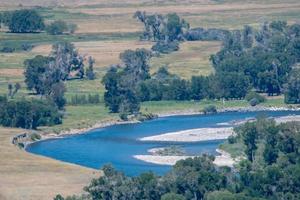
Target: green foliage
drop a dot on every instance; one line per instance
(292, 93)
(57, 27)
(45, 74)
(24, 21)
(28, 114)
(249, 133)
(165, 30)
(162, 28)
(226, 195)
(266, 63)
(84, 99)
(35, 136)
(121, 82)
(172, 196)
(90, 74)
(254, 102)
(34, 71)
(198, 178)
(165, 47)
(254, 98)
(209, 109)
(146, 116)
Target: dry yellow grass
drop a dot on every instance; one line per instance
(32, 177)
(191, 60)
(11, 72)
(119, 18)
(105, 53)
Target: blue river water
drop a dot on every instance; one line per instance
(118, 143)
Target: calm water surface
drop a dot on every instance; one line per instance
(117, 144)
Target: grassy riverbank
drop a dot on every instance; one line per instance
(83, 116)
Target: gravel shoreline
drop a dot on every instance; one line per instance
(193, 135)
(223, 159)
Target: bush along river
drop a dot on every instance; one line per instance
(118, 144)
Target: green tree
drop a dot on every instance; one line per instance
(250, 136)
(25, 21)
(112, 94)
(292, 93)
(35, 70)
(172, 196)
(57, 27)
(90, 74)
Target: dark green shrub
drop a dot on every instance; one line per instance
(123, 116)
(231, 139)
(253, 95)
(35, 136)
(25, 21)
(57, 27)
(166, 47)
(172, 196)
(209, 109)
(7, 50)
(254, 102)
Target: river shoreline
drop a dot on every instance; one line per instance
(104, 124)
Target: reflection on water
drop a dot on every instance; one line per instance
(117, 144)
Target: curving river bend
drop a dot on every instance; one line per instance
(117, 144)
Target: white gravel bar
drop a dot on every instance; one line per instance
(193, 135)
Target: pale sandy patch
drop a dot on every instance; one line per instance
(290, 118)
(224, 159)
(43, 49)
(193, 135)
(105, 53)
(108, 52)
(191, 8)
(11, 72)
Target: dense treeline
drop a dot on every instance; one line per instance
(263, 58)
(259, 60)
(28, 114)
(270, 170)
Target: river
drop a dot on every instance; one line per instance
(118, 143)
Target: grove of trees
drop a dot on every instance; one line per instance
(29, 114)
(262, 60)
(22, 21)
(165, 30)
(45, 75)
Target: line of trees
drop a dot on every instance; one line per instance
(271, 170)
(84, 99)
(29, 114)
